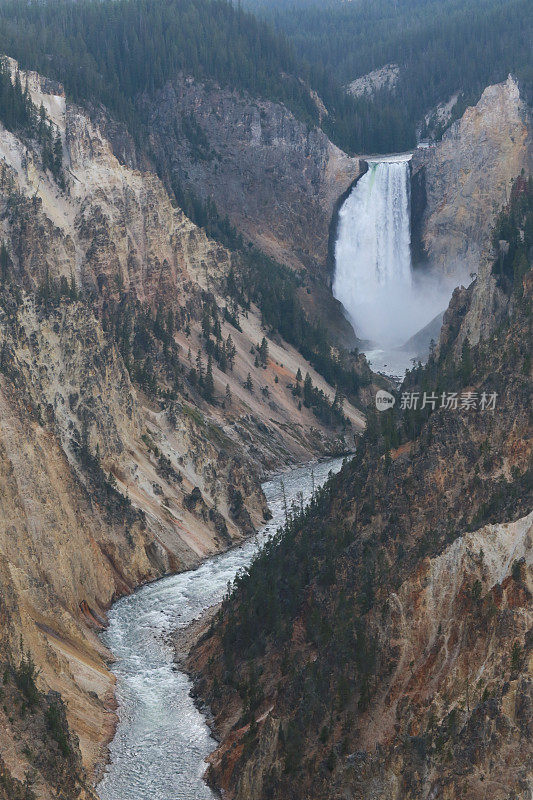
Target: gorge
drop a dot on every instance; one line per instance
(399, 591)
(397, 663)
(141, 404)
(198, 289)
(162, 740)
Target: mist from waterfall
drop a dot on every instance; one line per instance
(374, 280)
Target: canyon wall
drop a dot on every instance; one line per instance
(276, 178)
(462, 182)
(399, 662)
(114, 468)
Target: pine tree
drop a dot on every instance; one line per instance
(159, 330)
(4, 263)
(228, 395)
(73, 291)
(171, 324)
(206, 324)
(3, 357)
(338, 404)
(231, 351)
(263, 352)
(45, 289)
(200, 369)
(220, 355)
(209, 389)
(42, 124)
(308, 391)
(58, 156)
(249, 385)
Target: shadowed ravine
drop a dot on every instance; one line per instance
(162, 739)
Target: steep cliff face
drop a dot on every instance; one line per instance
(457, 692)
(382, 647)
(114, 467)
(276, 179)
(114, 229)
(477, 311)
(64, 556)
(466, 178)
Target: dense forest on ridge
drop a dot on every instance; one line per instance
(113, 52)
(441, 46)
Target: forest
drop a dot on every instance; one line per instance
(442, 47)
(113, 52)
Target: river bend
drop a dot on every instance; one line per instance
(162, 739)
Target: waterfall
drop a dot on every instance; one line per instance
(373, 276)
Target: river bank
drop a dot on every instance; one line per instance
(162, 739)
(185, 638)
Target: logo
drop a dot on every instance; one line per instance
(384, 400)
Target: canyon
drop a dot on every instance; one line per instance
(398, 663)
(107, 483)
(409, 578)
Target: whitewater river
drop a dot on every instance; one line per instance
(162, 740)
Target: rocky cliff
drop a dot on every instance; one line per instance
(275, 178)
(251, 163)
(381, 648)
(136, 419)
(462, 181)
(385, 78)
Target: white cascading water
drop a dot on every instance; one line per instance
(373, 276)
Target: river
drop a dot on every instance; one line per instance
(162, 739)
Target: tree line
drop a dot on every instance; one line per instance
(441, 46)
(114, 52)
(19, 115)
